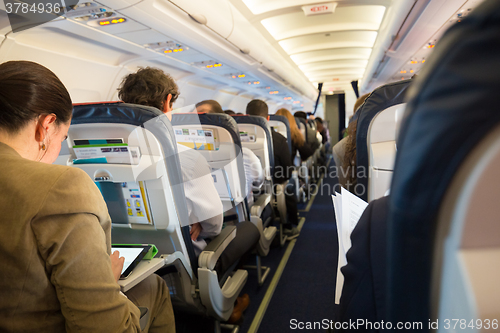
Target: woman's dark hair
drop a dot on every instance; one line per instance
(349, 164)
(148, 86)
(27, 90)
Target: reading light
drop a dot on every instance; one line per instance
(114, 21)
(403, 72)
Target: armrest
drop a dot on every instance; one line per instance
(260, 204)
(208, 258)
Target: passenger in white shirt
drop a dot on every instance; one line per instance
(152, 87)
(254, 174)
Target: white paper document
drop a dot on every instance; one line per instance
(348, 209)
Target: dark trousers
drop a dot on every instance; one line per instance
(291, 204)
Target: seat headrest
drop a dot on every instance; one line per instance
(452, 107)
(113, 112)
(283, 119)
(380, 99)
(262, 123)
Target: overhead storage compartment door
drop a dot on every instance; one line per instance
(217, 12)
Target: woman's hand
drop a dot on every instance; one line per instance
(117, 264)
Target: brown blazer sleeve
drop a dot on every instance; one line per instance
(72, 230)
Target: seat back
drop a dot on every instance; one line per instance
(301, 123)
(451, 111)
(467, 246)
(380, 99)
(130, 152)
(255, 134)
(311, 131)
(281, 125)
(217, 138)
(381, 144)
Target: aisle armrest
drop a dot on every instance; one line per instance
(208, 258)
(262, 201)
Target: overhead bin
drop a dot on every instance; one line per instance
(217, 14)
(118, 4)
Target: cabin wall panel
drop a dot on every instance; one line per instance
(86, 81)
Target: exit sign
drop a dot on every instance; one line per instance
(324, 8)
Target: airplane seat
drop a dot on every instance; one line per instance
(381, 150)
(466, 273)
(216, 137)
(443, 209)
(130, 152)
(381, 144)
(255, 135)
(305, 167)
(282, 126)
(312, 139)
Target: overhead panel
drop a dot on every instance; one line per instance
(263, 6)
(211, 11)
(333, 64)
(343, 19)
(334, 46)
(326, 55)
(329, 41)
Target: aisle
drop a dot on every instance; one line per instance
(305, 290)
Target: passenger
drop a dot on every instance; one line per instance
(300, 114)
(254, 177)
(298, 141)
(151, 87)
(344, 152)
(313, 144)
(321, 130)
(56, 271)
(283, 168)
(207, 105)
(229, 112)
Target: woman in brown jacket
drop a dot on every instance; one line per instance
(56, 271)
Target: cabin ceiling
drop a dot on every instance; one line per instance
(332, 48)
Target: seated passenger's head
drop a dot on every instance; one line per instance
(360, 101)
(229, 112)
(257, 107)
(209, 106)
(297, 138)
(35, 110)
(319, 124)
(300, 114)
(151, 87)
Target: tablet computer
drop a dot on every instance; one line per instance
(133, 255)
